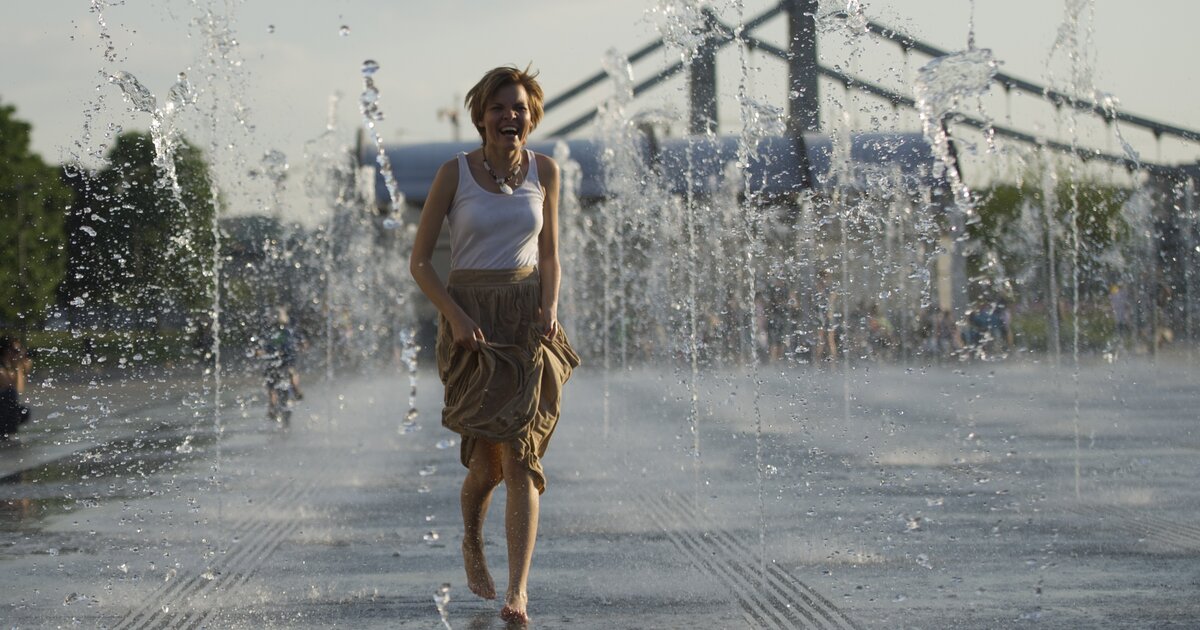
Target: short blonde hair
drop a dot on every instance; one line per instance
(496, 78)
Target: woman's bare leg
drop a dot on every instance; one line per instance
(520, 526)
(483, 475)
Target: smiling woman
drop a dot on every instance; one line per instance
(501, 354)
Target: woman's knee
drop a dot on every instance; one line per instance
(485, 467)
(516, 470)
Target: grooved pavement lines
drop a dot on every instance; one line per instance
(165, 607)
(773, 600)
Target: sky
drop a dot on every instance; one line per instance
(295, 56)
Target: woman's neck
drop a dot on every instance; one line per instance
(502, 159)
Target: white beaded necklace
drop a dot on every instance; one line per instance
(502, 182)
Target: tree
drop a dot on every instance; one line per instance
(139, 255)
(1015, 224)
(32, 204)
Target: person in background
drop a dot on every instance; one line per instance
(282, 344)
(828, 319)
(1122, 315)
(15, 365)
(501, 353)
(949, 339)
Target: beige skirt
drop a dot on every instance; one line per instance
(510, 391)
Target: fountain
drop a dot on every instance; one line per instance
(829, 371)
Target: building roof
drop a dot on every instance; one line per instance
(774, 168)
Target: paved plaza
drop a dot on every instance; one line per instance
(984, 495)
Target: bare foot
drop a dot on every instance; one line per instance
(515, 607)
(479, 580)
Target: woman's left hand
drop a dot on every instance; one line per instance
(549, 321)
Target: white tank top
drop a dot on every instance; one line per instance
(493, 230)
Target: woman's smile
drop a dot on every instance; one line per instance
(507, 119)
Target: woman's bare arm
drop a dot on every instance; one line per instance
(420, 264)
(548, 265)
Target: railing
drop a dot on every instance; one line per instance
(722, 35)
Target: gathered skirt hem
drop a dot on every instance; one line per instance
(510, 390)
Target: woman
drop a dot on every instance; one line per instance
(501, 354)
(14, 366)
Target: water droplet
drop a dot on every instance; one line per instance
(344, 30)
(270, 29)
(447, 443)
(423, 489)
(87, 229)
(136, 93)
(427, 471)
(275, 165)
(441, 598)
(923, 561)
(430, 537)
(370, 67)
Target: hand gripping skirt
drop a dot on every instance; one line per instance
(510, 391)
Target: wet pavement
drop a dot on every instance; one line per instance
(976, 496)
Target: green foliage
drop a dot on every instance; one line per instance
(32, 204)
(1015, 225)
(1032, 330)
(138, 252)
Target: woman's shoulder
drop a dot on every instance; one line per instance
(545, 164)
(452, 163)
(449, 169)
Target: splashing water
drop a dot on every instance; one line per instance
(942, 86)
(138, 96)
(275, 166)
(852, 21)
(163, 130)
(1110, 102)
(441, 599)
(616, 65)
(110, 50)
(408, 358)
(372, 115)
(275, 169)
(682, 24)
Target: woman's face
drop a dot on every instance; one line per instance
(506, 122)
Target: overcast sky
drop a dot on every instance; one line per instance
(430, 52)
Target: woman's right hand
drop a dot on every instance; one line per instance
(466, 332)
